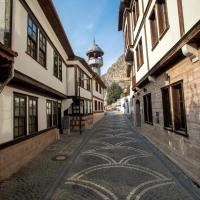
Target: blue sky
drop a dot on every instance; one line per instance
(84, 19)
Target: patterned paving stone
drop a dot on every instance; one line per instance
(114, 163)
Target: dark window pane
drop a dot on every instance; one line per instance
(179, 108)
(19, 116)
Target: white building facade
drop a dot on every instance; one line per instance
(39, 76)
(162, 41)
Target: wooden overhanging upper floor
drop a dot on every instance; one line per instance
(51, 15)
(80, 61)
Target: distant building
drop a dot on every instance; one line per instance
(162, 40)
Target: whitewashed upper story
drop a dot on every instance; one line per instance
(39, 39)
(90, 83)
(154, 28)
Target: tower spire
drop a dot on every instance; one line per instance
(95, 57)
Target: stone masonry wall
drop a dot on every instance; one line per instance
(184, 151)
(16, 156)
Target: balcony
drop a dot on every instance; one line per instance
(96, 61)
(5, 22)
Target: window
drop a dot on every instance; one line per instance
(148, 118)
(162, 16)
(86, 107)
(100, 89)
(95, 105)
(42, 50)
(19, 116)
(153, 27)
(49, 114)
(32, 38)
(88, 83)
(57, 65)
(55, 113)
(136, 12)
(166, 108)
(99, 106)
(82, 79)
(179, 108)
(97, 86)
(6, 19)
(33, 115)
(139, 55)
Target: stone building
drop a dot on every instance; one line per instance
(162, 40)
(36, 88)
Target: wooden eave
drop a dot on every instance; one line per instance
(54, 20)
(7, 53)
(25, 82)
(174, 55)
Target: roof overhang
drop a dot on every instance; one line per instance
(123, 5)
(54, 20)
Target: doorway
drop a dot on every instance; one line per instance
(138, 114)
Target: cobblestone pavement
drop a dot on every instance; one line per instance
(117, 164)
(33, 180)
(110, 162)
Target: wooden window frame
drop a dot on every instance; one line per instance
(153, 28)
(162, 16)
(30, 39)
(55, 113)
(29, 114)
(15, 116)
(95, 105)
(167, 114)
(57, 60)
(42, 49)
(49, 115)
(181, 131)
(97, 86)
(148, 111)
(139, 54)
(135, 12)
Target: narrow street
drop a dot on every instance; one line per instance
(111, 162)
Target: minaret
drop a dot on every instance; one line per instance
(95, 58)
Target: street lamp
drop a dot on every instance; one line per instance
(79, 85)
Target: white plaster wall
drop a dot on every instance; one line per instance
(71, 81)
(171, 37)
(139, 19)
(26, 64)
(145, 4)
(191, 13)
(144, 68)
(85, 93)
(95, 93)
(6, 112)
